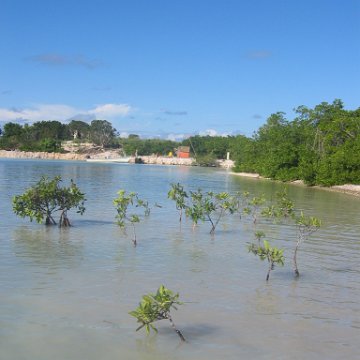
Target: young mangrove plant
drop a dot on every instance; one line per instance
(46, 197)
(259, 235)
(122, 204)
(210, 207)
(179, 195)
(252, 206)
(306, 225)
(155, 307)
(272, 254)
(282, 209)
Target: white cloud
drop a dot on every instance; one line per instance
(111, 110)
(41, 112)
(208, 132)
(212, 132)
(124, 135)
(177, 137)
(63, 112)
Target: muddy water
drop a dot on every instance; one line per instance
(66, 293)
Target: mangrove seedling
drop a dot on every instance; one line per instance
(179, 195)
(196, 211)
(306, 225)
(253, 206)
(210, 207)
(259, 235)
(122, 203)
(272, 254)
(46, 197)
(282, 209)
(155, 307)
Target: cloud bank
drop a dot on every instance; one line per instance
(212, 132)
(64, 113)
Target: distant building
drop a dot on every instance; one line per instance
(183, 152)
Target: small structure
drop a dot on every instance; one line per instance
(183, 152)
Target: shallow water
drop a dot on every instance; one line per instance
(66, 293)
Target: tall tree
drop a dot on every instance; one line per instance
(12, 129)
(78, 129)
(102, 132)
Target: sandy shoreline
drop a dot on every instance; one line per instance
(351, 189)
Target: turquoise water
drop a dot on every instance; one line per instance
(66, 293)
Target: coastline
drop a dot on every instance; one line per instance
(151, 160)
(350, 189)
(16, 154)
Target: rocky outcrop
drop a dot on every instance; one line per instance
(163, 160)
(111, 154)
(41, 155)
(158, 160)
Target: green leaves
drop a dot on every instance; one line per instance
(179, 195)
(273, 255)
(122, 203)
(46, 197)
(102, 132)
(320, 146)
(308, 222)
(210, 206)
(283, 207)
(155, 307)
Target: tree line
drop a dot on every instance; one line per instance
(320, 146)
(48, 135)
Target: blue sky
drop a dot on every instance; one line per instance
(172, 68)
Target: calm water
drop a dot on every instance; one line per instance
(66, 293)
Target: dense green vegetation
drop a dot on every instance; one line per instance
(48, 135)
(45, 198)
(320, 146)
(134, 144)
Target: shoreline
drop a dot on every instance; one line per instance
(146, 159)
(350, 189)
(39, 155)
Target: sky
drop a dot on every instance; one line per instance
(174, 68)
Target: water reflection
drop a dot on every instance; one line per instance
(59, 286)
(47, 246)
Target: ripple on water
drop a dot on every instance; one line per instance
(66, 293)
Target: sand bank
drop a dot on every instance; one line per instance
(351, 189)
